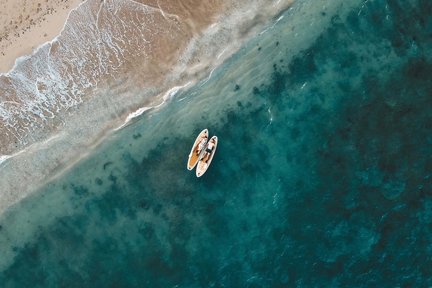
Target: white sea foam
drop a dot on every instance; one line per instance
(173, 91)
(96, 41)
(167, 96)
(3, 158)
(133, 115)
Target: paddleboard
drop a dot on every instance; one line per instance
(207, 157)
(197, 149)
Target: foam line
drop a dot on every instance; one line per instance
(167, 96)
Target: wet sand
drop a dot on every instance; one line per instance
(27, 24)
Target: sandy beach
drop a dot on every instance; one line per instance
(27, 24)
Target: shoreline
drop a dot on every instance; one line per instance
(26, 26)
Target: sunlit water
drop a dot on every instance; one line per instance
(322, 177)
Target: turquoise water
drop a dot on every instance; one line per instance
(322, 176)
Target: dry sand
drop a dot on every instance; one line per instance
(26, 24)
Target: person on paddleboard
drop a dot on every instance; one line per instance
(209, 150)
(201, 145)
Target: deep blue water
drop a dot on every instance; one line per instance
(322, 178)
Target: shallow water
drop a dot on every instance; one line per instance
(322, 175)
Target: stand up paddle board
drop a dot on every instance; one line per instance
(207, 156)
(197, 149)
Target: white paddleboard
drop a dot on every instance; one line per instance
(197, 149)
(206, 157)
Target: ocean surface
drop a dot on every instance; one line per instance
(322, 176)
